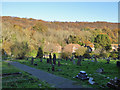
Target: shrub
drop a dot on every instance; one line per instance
(105, 55)
(66, 54)
(114, 55)
(86, 55)
(81, 51)
(19, 50)
(40, 53)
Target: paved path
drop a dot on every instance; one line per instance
(58, 81)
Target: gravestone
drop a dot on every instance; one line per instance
(108, 61)
(41, 60)
(48, 60)
(48, 69)
(100, 70)
(73, 61)
(92, 59)
(91, 80)
(35, 64)
(66, 58)
(58, 63)
(82, 75)
(114, 84)
(8, 64)
(118, 63)
(79, 60)
(32, 61)
(54, 59)
(53, 67)
(72, 58)
(95, 59)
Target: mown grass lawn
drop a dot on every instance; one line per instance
(70, 70)
(23, 80)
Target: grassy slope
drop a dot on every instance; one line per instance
(70, 70)
(19, 81)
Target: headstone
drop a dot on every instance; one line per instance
(92, 60)
(58, 63)
(114, 84)
(118, 63)
(41, 60)
(59, 70)
(53, 67)
(91, 80)
(100, 70)
(54, 59)
(32, 60)
(108, 60)
(8, 64)
(48, 60)
(82, 75)
(48, 69)
(73, 61)
(66, 58)
(79, 60)
(35, 64)
(72, 58)
(95, 59)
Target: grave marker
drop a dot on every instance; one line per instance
(54, 59)
(58, 63)
(48, 60)
(41, 60)
(32, 61)
(53, 67)
(73, 61)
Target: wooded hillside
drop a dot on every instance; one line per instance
(37, 33)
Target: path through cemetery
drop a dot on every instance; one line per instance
(57, 81)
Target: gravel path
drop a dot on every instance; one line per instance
(57, 81)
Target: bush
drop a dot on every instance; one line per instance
(81, 51)
(32, 53)
(114, 55)
(19, 50)
(105, 55)
(40, 53)
(66, 54)
(86, 55)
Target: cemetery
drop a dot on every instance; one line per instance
(95, 74)
(74, 49)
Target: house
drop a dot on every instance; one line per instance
(114, 47)
(52, 48)
(89, 45)
(71, 48)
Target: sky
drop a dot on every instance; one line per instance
(63, 11)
